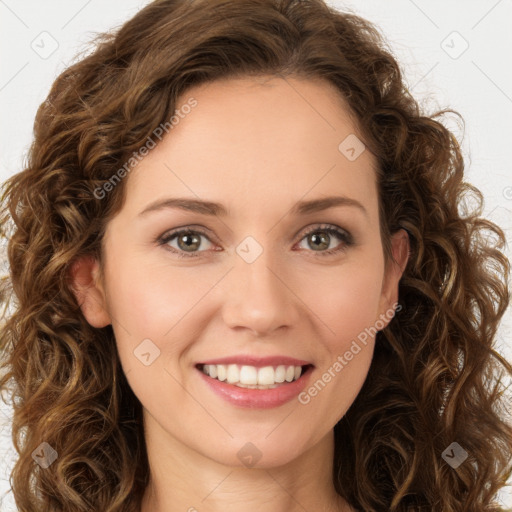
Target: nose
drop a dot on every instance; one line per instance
(259, 297)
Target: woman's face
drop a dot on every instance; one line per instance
(257, 283)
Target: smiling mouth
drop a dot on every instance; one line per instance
(252, 377)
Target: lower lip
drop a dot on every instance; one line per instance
(258, 398)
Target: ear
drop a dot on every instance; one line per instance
(88, 290)
(400, 249)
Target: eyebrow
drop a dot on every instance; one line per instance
(216, 209)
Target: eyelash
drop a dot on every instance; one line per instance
(343, 235)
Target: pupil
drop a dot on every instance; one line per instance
(189, 240)
(325, 239)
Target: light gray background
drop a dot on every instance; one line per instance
(429, 38)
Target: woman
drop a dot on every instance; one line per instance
(243, 282)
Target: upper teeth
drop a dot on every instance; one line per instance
(250, 375)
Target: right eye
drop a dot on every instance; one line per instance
(188, 242)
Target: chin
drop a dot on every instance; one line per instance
(261, 451)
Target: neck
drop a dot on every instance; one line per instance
(181, 480)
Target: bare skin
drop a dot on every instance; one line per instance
(257, 147)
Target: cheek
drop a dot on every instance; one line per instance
(348, 306)
(157, 303)
(151, 299)
(345, 300)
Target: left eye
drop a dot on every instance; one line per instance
(326, 235)
(189, 241)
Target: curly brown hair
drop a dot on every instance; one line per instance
(436, 376)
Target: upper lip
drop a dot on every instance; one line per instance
(258, 361)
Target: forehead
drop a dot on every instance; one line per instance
(251, 142)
